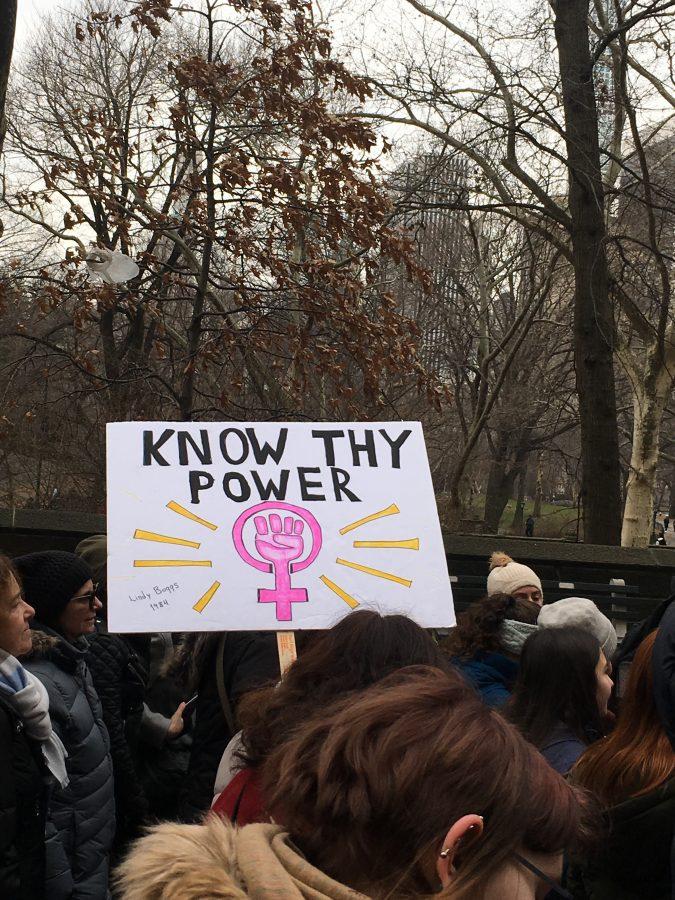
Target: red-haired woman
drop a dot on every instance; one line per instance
(411, 787)
(632, 772)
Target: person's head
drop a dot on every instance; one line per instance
(516, 579)
(563, 677)
(94, 551)
(637, 756)
(359, 650)
(497, 624)
(15, 613)
(59, 586)
(414, 784)
(581, 613)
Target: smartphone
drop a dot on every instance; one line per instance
(190, 707)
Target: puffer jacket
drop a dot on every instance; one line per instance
(23, 807)
(120, 677)
(83, 813)
(215, 860)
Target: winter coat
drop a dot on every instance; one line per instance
(250, 660)
(120, 676)
(562, 748)
(83, 813)
(23, 808)
(215, 860)
(633, 862)
(663, 664)
(492, 674)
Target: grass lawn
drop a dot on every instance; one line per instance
(555, 521)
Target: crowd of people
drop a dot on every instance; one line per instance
(501, 760)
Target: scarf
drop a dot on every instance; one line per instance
(29, 699)
(513, 635)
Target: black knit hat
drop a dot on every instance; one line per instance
(50, 580)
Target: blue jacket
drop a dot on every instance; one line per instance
(492, 674)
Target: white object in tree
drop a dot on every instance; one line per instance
(110, 266)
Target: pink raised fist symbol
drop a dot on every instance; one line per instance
(281, 544)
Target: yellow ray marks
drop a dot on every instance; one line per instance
(389, 511)
(154, 563)
(377, 572)
(141, 535)
(204, 600)
(336, 589)
(412, 544)
(177, 508)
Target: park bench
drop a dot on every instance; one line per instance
(620, 602)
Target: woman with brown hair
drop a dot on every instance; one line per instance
(560, 699)
(487, 641)
(359, 650)
(412, 787)
(32, 757)
(632, 772)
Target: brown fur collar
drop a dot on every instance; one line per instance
(43, 644)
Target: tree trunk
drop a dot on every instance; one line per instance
(7, 29)
(593, 321)
(649, 403)
(536, 511)
(497, 494)
(519, 512)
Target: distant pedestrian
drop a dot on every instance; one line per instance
(529, 527)
(666, 523)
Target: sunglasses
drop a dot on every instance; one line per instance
(90, 597)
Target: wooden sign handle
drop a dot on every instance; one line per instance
(286, 648)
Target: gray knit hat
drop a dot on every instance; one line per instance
(582, 613)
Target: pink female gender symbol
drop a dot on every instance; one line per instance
(280, 546)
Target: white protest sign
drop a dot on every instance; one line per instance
(271, 526)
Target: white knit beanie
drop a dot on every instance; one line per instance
(582, 613)
(507, 576)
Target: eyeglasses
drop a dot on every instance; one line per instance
(90, 597)
(555, 887)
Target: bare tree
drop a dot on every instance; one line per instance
(7, 29)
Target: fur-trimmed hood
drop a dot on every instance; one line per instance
(214, 861)
(42, 644)
(48, 644)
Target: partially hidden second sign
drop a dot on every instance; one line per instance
(270, 526)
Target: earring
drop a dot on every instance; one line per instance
(444, 854)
